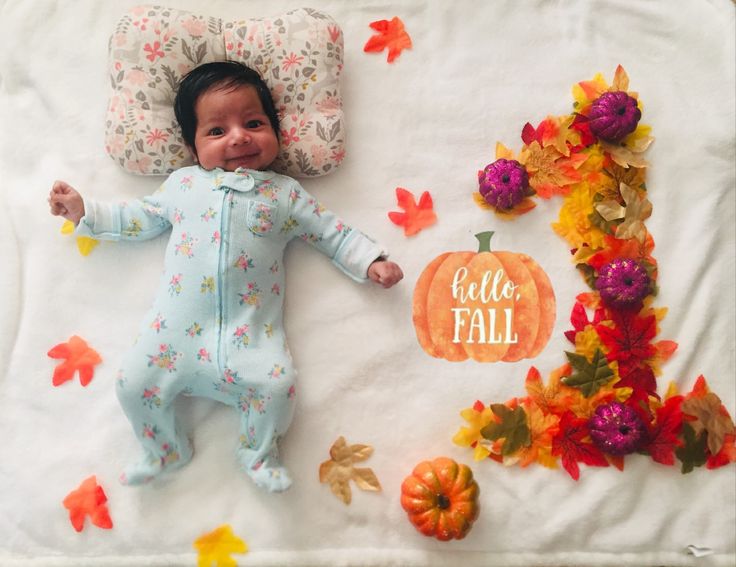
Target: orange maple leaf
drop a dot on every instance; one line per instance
(552, 398)
(79, 357)
(88, 499)
(417, 216)
(391, 35)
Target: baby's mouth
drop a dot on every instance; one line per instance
(249, 155)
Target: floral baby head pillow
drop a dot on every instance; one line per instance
(298, 54)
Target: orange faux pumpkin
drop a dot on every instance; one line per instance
(488, 306)
(441, 498)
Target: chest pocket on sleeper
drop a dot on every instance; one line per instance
(261, 218)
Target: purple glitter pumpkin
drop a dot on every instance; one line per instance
(504, 183)
(617, 429)
(613, 116)
(623, 283)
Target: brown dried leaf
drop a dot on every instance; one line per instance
(709, 417)
(361, 452)
(339, 470)
(366, 480)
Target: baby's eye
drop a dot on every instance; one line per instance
(216, 131)
(254, 123)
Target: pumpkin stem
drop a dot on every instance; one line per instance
(443, 502)
(484, 239)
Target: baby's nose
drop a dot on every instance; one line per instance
(239, 136)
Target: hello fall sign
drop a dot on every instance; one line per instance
(488, 306)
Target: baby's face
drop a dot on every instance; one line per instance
(233, 130)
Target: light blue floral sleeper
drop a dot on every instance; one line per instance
(215, 328)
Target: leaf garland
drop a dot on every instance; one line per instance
(616, 357)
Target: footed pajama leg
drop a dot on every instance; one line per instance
(146, 393)
(266, 412)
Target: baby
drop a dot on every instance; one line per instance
(215, 328)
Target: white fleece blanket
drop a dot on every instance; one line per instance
(477, 72)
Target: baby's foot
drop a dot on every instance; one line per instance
(272, 479)
(141, 473)
(150, 467)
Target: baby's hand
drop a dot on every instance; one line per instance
(65, 201)
(385, 273)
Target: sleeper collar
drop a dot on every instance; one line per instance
(239, 180)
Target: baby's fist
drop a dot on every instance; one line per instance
(385, 273)
(64, 200)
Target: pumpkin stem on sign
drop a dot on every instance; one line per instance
(484, 239)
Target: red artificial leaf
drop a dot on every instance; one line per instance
(617, 461)
(571, 445)
(417, 216)
(579, 320)
(550, 132)
(529, 134)
(580, 123)
(79, 357)
(614, 248)
(665, 349)
(700, 388)
(640, 379)
(88, 500)
(629, 340)
(392, 35)
(725, 456)
(665, 435)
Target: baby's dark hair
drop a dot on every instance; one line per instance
(221, 75)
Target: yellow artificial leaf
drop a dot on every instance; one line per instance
(628, 153)
(585, 92)
(502, 152)
(556, 133)
(551, 398)
(217, 546)
(582, 255)
(339, 470)
(468, 436)
(574, 223)
(67, 228)
(482, 203)
(549, 172)
(523, 207)
(587, 342)
(542, 428)
(85, 245)
(620, 80)
(672, 391)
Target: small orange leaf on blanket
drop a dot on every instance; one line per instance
(392, 35)
(79, 357)
(85, 244)
(339, 470)
(217, 546)
(417, 216)
(88, 500)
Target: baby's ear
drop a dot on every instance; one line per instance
(193, 152)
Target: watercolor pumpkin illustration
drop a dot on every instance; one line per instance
(488, 306)
(441, 498)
